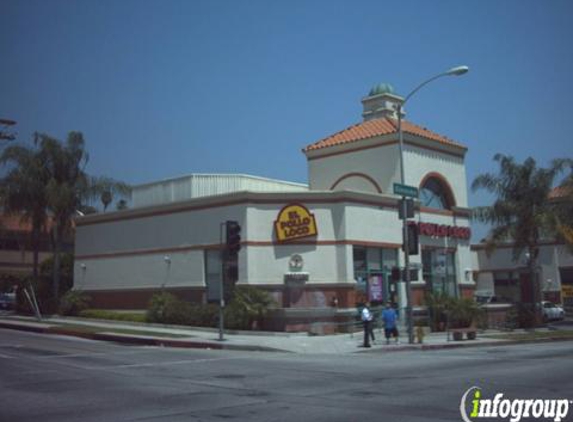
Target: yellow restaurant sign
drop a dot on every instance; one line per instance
(567, 290)
(294, 222)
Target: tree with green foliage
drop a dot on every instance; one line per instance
(23, 191)
(107, 189)
(67, 189)
(49, 179)
(522, 212)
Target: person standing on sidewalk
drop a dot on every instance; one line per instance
(367, 318)
(389, 318)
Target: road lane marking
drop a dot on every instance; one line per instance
(90, 354)
(175, 362)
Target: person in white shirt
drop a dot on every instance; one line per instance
(367, 318)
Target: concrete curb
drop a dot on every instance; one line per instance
(136, 340)
(466, 344)
(142, 340)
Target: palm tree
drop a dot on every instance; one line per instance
(50, 179)
(67, 189)
(522, 211)
(23, 191)
(107, 188)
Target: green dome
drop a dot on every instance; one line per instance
(381, 88)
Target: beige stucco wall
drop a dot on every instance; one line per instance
(419, 162)
(380, 163)
(129, 253)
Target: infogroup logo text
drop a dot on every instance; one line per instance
(512, 409)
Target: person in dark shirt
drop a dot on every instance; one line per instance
(389, 318)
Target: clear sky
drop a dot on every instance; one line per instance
(166, 88)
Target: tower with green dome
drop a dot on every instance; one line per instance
(382, 101)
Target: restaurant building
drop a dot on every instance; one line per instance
(318, 248)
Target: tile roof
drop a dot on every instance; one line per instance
(378, 127)
(16, 224)
(560, 192)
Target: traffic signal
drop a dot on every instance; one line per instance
(412, 234)
(409, 208)
(396, 274)
(233, 230)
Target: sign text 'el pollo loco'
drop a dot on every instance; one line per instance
(443, 230)
(294, 222)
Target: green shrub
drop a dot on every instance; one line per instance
(73, 302)
(236, 317)
(113, 315)
(66, 273)
(249, 305)
(446, 311)
(463, 313)
(166, 308)
(205, 315)
(525, 317)
(438, 305)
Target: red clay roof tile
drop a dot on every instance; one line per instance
(559, 192)
(16, 224)
(378, 127)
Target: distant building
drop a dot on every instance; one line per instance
(16, 254)
(507, 280)
(333, 242)
(16, 257)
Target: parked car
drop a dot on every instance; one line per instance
(7, 301)
(551, 311)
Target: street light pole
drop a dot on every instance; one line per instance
(455, 71)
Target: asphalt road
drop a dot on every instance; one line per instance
(52, 378)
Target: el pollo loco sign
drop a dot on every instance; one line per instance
(443, 230)
(294, 222)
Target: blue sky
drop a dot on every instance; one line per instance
(165, 88)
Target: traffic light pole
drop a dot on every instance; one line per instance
(222, 229)
(409, 313)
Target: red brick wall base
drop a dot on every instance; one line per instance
(138, 299)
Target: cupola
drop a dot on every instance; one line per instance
(381, 102)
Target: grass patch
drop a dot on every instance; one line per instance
(534, 335)
(145, 333)
(113, 315)
(93, 330)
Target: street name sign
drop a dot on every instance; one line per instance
(405, 190)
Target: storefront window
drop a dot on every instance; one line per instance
(372, 268)
(439, 271)
(434, 195)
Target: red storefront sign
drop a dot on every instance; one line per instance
(443, 230)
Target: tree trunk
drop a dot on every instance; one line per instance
(35, 252)
(533, 276)
(57, 258)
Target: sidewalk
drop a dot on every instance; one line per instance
(204, 338)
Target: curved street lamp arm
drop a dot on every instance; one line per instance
(423, 84)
